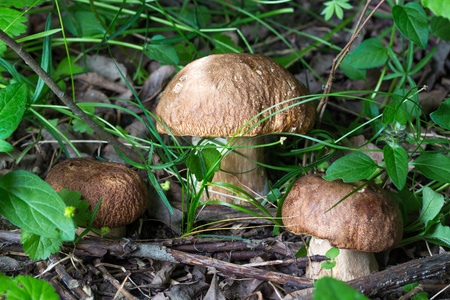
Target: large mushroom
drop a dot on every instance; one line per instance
(124, 194)
(367, 221)
(224, 95)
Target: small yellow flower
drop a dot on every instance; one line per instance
(166, 185)
(69, 211)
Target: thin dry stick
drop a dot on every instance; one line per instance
(107, 276)
(66, 100)
(338, 59)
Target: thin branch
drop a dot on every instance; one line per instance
(66, 99)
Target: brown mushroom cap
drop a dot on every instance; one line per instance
(216, 95)
(123, 191)
(368, 220)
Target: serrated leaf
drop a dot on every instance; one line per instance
(351, 168)
(412, 22)
(5, 146)
(39, 247)
(432, 204)
(442, 115)
(162, 52)
(27, 287)
(438, 7)
(438, 234)
(440, 27)
(12, 107)
(435, 166)
(396, 160)
(11, 22)
(30, 203)
(73, 198)
(350, 71)
(370, 53)
(333, 289)
(79, 125)
(18, 3)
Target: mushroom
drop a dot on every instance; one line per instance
(123, 191)
(367, 221)
(226, 95)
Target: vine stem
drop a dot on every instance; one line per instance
(103, 134)
(340, 57)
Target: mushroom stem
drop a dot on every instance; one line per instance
(350, 264)
(242, 171)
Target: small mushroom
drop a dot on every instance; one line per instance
(123, 191)
(367, 221)
(217, 95)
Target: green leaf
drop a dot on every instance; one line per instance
(11, 22)
(302, 252)
(369, 54)
(39, 247)
(27, 287)
(432, 204)
(412, 22)
(441, 115)
(350, 71)
(438, 234)
(396, 160)
(202, 161)
(332, 289)
(5, 146)
(332, 253)
(440, 27)
(12, 106)
(162, 52)
(64, 68)
(409, 287)
(351, 168)
(438, 7)
(221, 41)
(396, 110)
(73, 198)
(5, 282)
(30, 203)
(18, 3)
(83, 24)
(81, 126)
(435, 166)
(328, 265)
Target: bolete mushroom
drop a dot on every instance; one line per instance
(367, 221)
(123, 191)
(224, 95)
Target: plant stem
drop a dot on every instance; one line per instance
(66, 100)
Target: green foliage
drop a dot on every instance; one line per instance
(335, 7)
(331, 254)
(26, 287)
(396, 160)
(439, 27)
(160, 51)
(79, 125)
(73, 199)
(434, 165)
(37, 246)
(412, 22)
(370, 53)
(30, 203)
(438, 7)
(11, 22)
(201, 162)
(440, 116)
(351, 168)
(83, 24)
(12, 107)
(333, 289)
(350, 71)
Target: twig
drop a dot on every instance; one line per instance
(103, 134)
(72, 284)
(338, 59)
(107, 276)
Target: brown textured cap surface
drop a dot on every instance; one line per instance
(123, 191)
(216, 95)
(369, 220)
